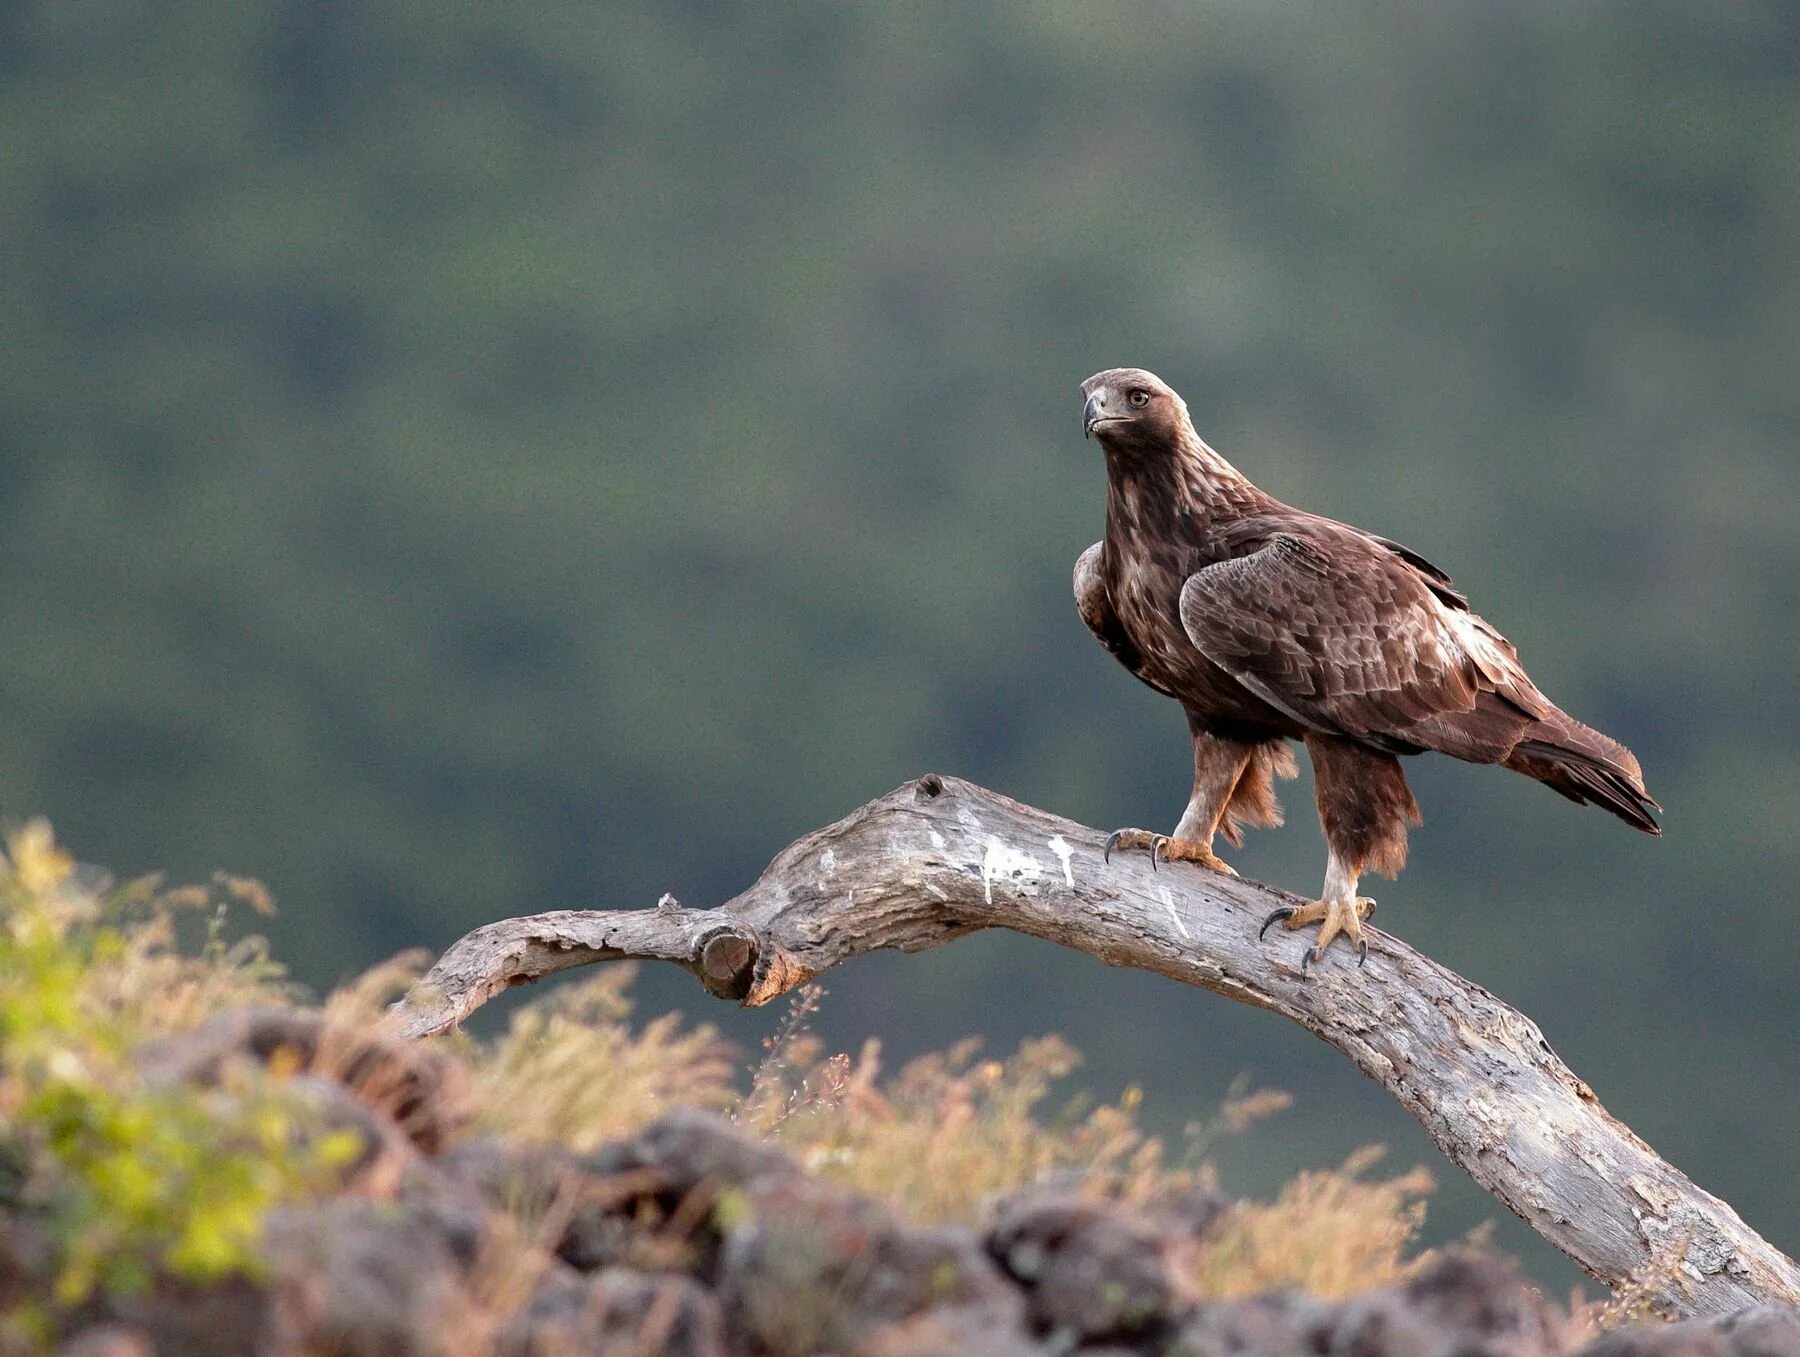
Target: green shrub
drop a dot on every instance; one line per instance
(126, 1178)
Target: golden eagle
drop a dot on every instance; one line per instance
(1270, 624)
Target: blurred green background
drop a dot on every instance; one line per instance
(461, 461)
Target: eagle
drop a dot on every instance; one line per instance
(1269, 624)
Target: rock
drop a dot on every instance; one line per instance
(1194, 1213)
(231, 1318)
(1478, 1293)
(108, 1340)
(954, 1331)
(667, 1181)
(386, 1153)
(1275, 1324)
(617, 1311)
(1089, 1269)
(1761, 1331)
(1463, 1306)
(600, 1227)
(1466, 1304)
(806, 1268)
(452, 1211)
(686, 1149)
(420, 1090)
(646, 1202)
(526, 1180)
(363, 1279)
(27, 1259)
(523, 1178)
(552, 1322)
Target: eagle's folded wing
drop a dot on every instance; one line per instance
(1349, 638)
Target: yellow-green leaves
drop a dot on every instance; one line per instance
(130, 1178)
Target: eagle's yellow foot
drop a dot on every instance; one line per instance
(1333, 917)
(1165, 849)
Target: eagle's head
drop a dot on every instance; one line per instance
(1128, 406)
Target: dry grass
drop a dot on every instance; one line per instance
(153, 985)
(948, 1132)
(572, 1068)
(1633, 1302)
(1330, 1233)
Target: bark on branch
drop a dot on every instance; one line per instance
(940, 858)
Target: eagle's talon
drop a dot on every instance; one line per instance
(1164, 848)
(1275, 915)
(1122, 839)
(1335, 918)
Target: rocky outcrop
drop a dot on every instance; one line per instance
(690, 1239)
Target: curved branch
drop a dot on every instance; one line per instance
(939, 858)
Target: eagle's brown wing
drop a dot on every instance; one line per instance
(1095, 606)
(1349, 637)
(1437, 580)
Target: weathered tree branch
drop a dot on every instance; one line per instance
(940, 858)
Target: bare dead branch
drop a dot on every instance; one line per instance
(939, 858)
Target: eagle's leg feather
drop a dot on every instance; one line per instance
(1365, 807)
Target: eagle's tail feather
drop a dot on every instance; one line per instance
(1580, 763)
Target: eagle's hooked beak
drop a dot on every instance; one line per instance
(1093, 413)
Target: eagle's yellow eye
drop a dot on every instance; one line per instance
(1139, 399)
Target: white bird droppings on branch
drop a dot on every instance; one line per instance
(1003, 862)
